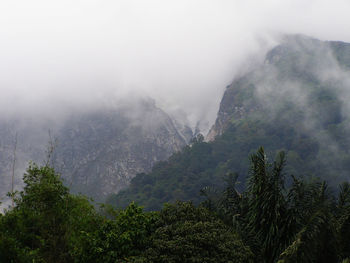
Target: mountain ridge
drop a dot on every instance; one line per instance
(295, 101)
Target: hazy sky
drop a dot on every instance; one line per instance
(57, 55)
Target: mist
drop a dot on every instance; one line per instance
(61, 56)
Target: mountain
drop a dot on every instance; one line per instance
(100, 152)
(294, 72)
(97, 152)
(296, 100)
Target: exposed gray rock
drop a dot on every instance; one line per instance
(290, 72)
(97, 153)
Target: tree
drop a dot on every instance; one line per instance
(300, 224)
(45, 222)
(121, 239)
(189, 234)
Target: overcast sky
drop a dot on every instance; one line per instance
(56, 55)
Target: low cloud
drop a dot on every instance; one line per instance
(59, 56)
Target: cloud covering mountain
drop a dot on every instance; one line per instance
(59, 56)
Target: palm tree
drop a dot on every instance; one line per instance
(304, 223)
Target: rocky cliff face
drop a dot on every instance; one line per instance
(98, 152)
(297, 101)
(294, 71)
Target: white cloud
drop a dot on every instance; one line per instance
(64, 54)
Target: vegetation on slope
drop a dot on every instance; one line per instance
(205, 163)
(293, 102)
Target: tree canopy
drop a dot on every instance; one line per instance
(269, 221)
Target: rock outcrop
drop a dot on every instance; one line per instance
(97, 152)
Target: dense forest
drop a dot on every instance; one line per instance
(270, 221)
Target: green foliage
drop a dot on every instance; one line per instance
(189, 234)
(41, 207)
(267, 222)
(303, 223)
(45, 223)
(48, 224)
(266, 203)
(120, 239)
(343, 218)
(180, 178)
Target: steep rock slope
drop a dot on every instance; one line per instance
(297, 72)
(97, 152)
(298, 101)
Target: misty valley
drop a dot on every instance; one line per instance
(130, 181)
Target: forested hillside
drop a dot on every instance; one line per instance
(297, 100)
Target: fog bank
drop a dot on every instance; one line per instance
(60, 56)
